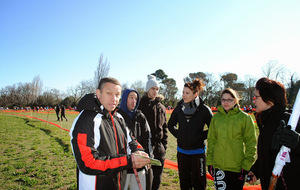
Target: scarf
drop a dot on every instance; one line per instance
(190, 108)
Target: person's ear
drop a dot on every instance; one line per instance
(196, 94)
(98, 93)
(271, 104)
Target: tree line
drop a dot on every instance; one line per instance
(32, 94)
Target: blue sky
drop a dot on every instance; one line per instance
(61, 41)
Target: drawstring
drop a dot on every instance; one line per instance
(136, 174)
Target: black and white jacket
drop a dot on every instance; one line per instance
(99, 141)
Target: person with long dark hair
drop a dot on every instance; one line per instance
(192, 115)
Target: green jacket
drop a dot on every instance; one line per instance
(231, 140)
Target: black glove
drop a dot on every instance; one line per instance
(243, 174)
(210, 169)
(285, 136)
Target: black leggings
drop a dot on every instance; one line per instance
(192, 171)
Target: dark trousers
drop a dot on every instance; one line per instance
(227, 180)
(157, 175)
(149, 179)
(192, 171)
(63, 116)
(57, 114)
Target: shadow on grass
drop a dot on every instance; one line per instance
(48, 132)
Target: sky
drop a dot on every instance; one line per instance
(61, 41)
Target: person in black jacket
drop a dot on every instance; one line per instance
(63, 113)
(192, 115)
(57, 110)
(101, 143)
(270, 101)
(138, 125)
(155, 113)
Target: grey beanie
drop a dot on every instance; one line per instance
(151, 82)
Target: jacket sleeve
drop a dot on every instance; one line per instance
(172, 123)
(211, 141)
(146, 136)
(250, 142)
(208, 117)
(165, 131)
(132, 143)
(297, 149)
(83, 142)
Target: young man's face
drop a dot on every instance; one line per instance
(131, 100)
(109, 96)
(153, 92)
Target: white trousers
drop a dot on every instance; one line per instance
(131, 182)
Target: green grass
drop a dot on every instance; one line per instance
(34, 155)
(37, 155)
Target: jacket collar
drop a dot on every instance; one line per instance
(232, 111)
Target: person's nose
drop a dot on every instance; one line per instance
(115, 98)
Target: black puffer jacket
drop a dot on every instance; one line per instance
(99, 144)
(155, 113)
(268, 122)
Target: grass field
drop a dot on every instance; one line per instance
(38, 155)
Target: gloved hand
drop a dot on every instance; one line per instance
(210, 169)
(243, 174)
(285, 136)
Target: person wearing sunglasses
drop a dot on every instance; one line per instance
(231, 143)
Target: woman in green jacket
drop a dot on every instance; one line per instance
(231, 143)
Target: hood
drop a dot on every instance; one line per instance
(236, 109)
(123, 104)
(90, 102)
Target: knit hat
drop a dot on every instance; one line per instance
(151, 82)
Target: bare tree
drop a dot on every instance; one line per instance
(25, 95)
(102, 70)
(211, 89)
(8, 96)
(37, 86)
(138, 86)
(249, 89)
(274, 71)
(77, 92)
(50, 97)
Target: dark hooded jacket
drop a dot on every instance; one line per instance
(136, 122)
(155, 113)
(99, 144)
(268, 122)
